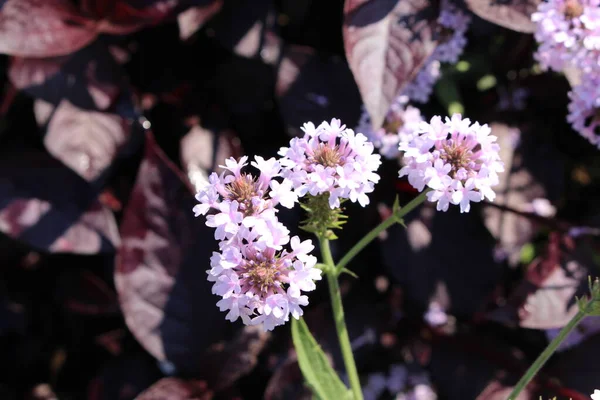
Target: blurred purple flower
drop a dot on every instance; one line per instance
(584, 110)
(568, 32)
(400, 124)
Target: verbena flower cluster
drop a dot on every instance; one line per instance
(568, 32)
(400, 124)
(458, 161)
(259, 277)
(331, 159)
(584, 110)
(259, 281)
(453, 25)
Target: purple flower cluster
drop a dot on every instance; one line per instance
(420, 88)
(453, 25)
(568, 32)
(257, 278)
(457, 160)
(331, 159)
(584, 110)
(400, 124)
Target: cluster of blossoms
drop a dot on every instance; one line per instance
(584, 110)
(400, 124)
(457, 160)
(331, 159)
(453, 25)
(568, 32)
(258, 280)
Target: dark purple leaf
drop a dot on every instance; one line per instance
(26, 72)
(86, 141)
(247, 28)
(522, 186)
(511, 14)
(201, 151)
(224, 363)
(47, 206)
(176, 389)
(192, 19)
(89, 295)
(387, 42)
(160, 268)
(126, 18)
(315, 87)
(425, 256)
(545, 299)
(287, 383)
(43, 28)
(89, 78)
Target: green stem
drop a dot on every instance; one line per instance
(386, 223)
(546, 354)
(340, 324)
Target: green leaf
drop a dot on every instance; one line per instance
(319, 375)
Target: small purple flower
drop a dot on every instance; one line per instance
(420, 88)
(568, 33)
(331, 159)
(452, 27)
(584, 110)
(400, 123)
(239, 198)
(457, 160)
(259, 283)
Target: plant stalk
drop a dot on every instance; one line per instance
(396, 216)
(340, 324)
(546, 354)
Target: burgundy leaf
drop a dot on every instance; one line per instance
(512, 14)
(248, 29)
(386, 43)
(202, 152)
(50, 208)
(42, 28)
(42, 111)
(89, 78)
(287, 383)
(125, 18)
(519, 188)
(26, 72)
(192, 19)
(86, 141)
(160, 268)
(176, 389)
(224, 363)
(545, 299)
(90, 295)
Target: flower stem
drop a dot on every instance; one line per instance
(340, 324)
(396, 216)
(546, 354)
